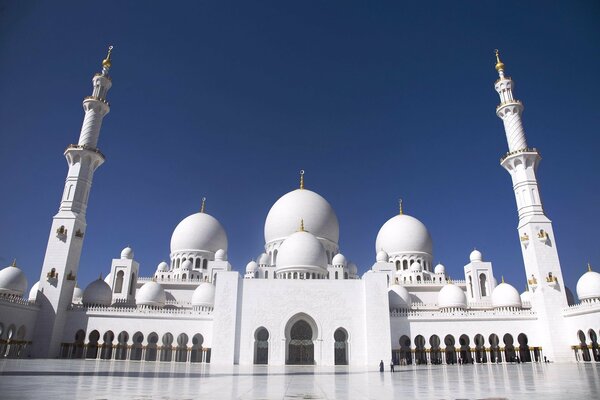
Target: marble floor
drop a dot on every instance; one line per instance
(87, 379)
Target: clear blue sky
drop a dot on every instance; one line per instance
(375, 100)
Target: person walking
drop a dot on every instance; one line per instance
(381, 366)
(392, 366)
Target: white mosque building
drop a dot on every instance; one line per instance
(198, 309)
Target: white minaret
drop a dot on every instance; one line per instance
(61, 261)
(536, 235)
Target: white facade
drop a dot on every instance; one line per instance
(195, 308)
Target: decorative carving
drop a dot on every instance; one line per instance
(61, 231)
(543, 236)
(525, 237)
(79, 234)
(70, 276)
(532, 281)
(52, 274)
(551, 278)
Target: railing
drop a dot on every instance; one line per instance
(508, 102)
(84, 147)
(18, 300)
(586, 305)
(524, 150)
(444, 314)
(97, 98)
(141, 310)
(169, 280)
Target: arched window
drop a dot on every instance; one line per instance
(197, 265)
(205, 263)
(340, 347)
(131, 283)
(336, 275)
(261, 346)
(482, 284)
(471, 284)
(119, 282)
(345, 275)
(266, 274)
(405, 264)
(397, 265)
(184, 276)
(274, 256)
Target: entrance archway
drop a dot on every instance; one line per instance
(261, 346)
(341, 346)
(301, 348)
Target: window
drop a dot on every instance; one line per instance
(119, 282)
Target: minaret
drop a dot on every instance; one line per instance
(63, 251)
(536, 235)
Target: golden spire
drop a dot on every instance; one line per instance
(401, 210)
(301, 225)
(301, 179)
(589, 267)
(14, 263)
(502, 278)
(106, 63)
(203, 206)
(499, 64)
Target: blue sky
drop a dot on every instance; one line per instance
(229, 100)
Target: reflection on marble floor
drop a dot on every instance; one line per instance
(81, 379)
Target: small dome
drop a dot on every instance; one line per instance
(399, 297)
(476, 256)
(588, 286)
(416, 267)
(451, 296)
(204, 295)
(251, 267)
(221, 255)
(97, 293)
(12, 281)
(505, 295)
(339, 259)
(127, 253)
(199, 232)
(526, 297)
(162, 267)
(264, 259)
(404, 234)
(187, 265)
(301, 250)
(34, 291)
(77, 295)
(151, 294)
(382, 256)
(439, 269)
(352, 268)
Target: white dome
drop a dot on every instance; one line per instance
(382, 256)
(451, 296)
(127, 253)
(12, 281)
(318, 215)
(353, 268)
(505, 295)
(526, 297)
(251, 267)
(264, 259)
(77, 295)
(186, 265)
(399, 297)
(404, 234)
(97, 293)
(199, 232)
(34, 291)
(151, 294)
(204, 295)
(439, 269)
(162, 267)
(588, 286)
(221, 255)
(416, 267)
(301, 250)
(339, 259)
(475, 256)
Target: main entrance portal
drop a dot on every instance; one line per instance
(301, 349)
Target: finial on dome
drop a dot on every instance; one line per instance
(499, 64)
(502, 278)
(589, 267)
(203, 206)
(401, 209)
(301, 179)
(107, 62)
(14, 263)
(301, 225)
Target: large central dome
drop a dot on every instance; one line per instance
(285, 215)
(404, 234)
(199, 232)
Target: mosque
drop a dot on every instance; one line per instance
(198, 309)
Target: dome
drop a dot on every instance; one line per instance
(339, 259)
(439, 269)
(151, 294)
(77, 295)
(12, 281)
(476, 256)
(162, 267)
(318, 215)
(301, 249)
(399, 297)
(251, 267)
(187, 265)
(526, 297)
(97, 293)
(588, 286)
(34, 291)
(353, 268)
(221, 255)
(204, 295)
(404, 234)
(127, 253)
(416, 267)
(451, 296)
(199, 232)
(382, 256)
(264, 259)
(505, 295)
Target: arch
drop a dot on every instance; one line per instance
(266, 274)
(152, 347)
(261, 346)
(92, 347)
(480, 353)
(340, 346)
(585, 352)
(181, 352)
(132, 284)
(166, 352)
(495, 355)
(205, 263)
(450, 350)
(78, 344)
(509, 349)
(197, 263)
(121, 349)
(184, 276)
(405, 352)
(21, 332)
(300, 333)
(420, 354)
(274, 257)
(107, 350)
(397, 265)
(336, 275)
(471, 285)
(196, 353)
(483, 284)
(119, 281)
(136, 348)
(436, 354)
(405, 264)
(465, 350)
(524, 354)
